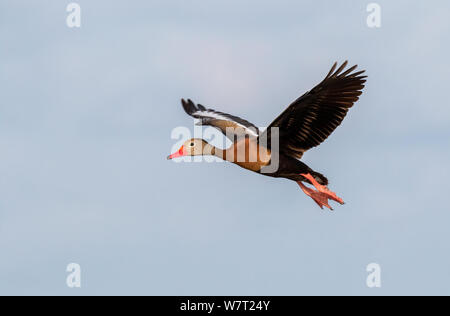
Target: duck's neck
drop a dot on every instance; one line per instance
(214, 151)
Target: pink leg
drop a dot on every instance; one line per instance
(323, 189)
(318, 197)
(322, 194)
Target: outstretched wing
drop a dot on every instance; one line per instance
(310, 119)
(229, 125)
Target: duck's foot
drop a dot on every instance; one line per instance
(322, 194)
(320, 198)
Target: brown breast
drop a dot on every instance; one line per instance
(248, 154)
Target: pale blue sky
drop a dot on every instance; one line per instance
(85, 122)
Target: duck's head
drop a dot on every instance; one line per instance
(192, 147)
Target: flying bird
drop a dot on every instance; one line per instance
(305, 124)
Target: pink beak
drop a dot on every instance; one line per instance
(179, 153)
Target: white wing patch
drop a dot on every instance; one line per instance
(240, 129)
(228, 124)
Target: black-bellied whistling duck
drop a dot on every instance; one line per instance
(306, 123)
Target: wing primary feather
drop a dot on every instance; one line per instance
(188, 107)
(349, 70)
(340, 68)
(331, 71)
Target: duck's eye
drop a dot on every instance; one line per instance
(191, 144)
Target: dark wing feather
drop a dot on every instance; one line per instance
(220, 120)
(310, 119)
